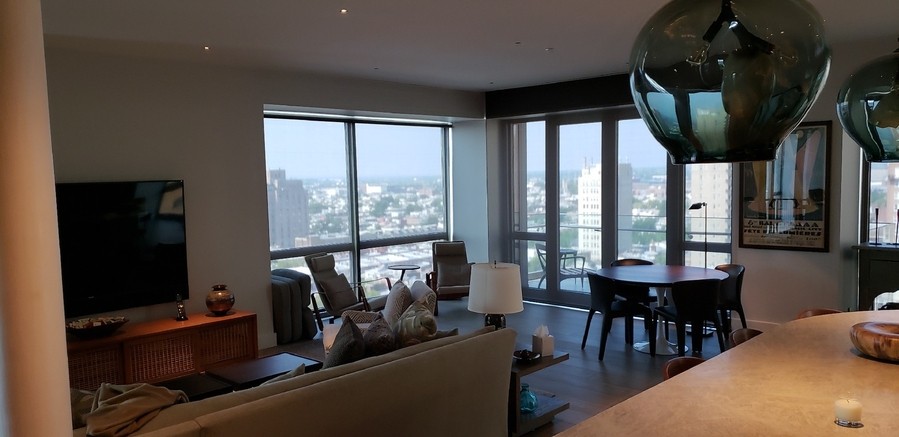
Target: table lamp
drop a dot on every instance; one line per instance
(495, 290)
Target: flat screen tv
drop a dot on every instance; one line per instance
(122, 244)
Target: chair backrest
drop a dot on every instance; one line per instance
(696, 300)
(335, 292)
(677, 365)
(739, 336)
(630, 262)
(602, 292)
(732, 287)
(452, 255)
(811, 312)
(638, 292)
(541, 255)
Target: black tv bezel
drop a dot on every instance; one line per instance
(123, 297)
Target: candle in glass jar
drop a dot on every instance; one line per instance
(848, 410)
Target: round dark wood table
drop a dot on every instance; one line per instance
(662, 278)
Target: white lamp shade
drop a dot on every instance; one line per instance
(495, 288)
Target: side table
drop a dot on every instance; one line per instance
(547, 404)
(402, 268)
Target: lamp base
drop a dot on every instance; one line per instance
(497, 320)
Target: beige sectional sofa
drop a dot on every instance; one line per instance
(452, 386)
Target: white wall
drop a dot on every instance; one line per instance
(469, 183)
(778, 283)
(121, 118)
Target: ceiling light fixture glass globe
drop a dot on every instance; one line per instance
(728, 80)
(868, 108)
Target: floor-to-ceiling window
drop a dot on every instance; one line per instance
(372, 192)
(578, 178)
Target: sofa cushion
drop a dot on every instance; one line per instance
(299, 370)
(453, 274)
(422, 293)
(418, 325)
(348, 345)
(399, 298)
(379, 338)
(339, 291)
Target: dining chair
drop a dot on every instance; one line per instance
(811, 312)
(602, 299)
(739, 336)
(730, 295)
(678, 365)
(693, 302)
(641, 294)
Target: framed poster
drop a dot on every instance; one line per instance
(784, 201)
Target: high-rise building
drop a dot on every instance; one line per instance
(704, 182)
(288, 205)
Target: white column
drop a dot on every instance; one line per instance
(34, 376)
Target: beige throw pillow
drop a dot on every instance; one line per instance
(399, 298)
(418, 325)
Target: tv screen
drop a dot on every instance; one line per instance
(122, 244)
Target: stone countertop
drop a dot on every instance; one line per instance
(781, 383)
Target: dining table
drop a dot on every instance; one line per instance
(789, 380)
(660, 277)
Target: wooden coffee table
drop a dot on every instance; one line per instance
(246, 374)
(548, 405)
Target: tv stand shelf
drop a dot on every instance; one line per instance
(162, 349)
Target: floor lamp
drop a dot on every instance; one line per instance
(705, 246)
(705, 231)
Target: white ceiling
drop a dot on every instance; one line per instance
(477, 45)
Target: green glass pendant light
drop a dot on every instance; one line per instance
(727, 80)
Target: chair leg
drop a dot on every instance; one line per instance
(681, 329)
(742, 316)
(606, 327)
(587, 328)
(436, 306)
(318, 316)
(629, 329)
(720, 335)
(724, 316)
(696, 335)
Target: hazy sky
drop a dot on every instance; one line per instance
(314, 149)
(581, 142)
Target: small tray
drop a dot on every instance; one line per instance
(95, 327)
(525, 355)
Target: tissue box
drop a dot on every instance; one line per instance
(543, 345)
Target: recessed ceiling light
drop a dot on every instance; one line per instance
(344, 11)
(207, 49)
(549, 49)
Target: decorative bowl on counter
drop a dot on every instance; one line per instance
(876, 339)
(95, 327)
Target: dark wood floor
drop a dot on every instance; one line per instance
(589, 385)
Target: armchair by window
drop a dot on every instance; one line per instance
(451, 273)
(336, 292)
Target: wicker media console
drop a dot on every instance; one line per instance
(162, 349)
